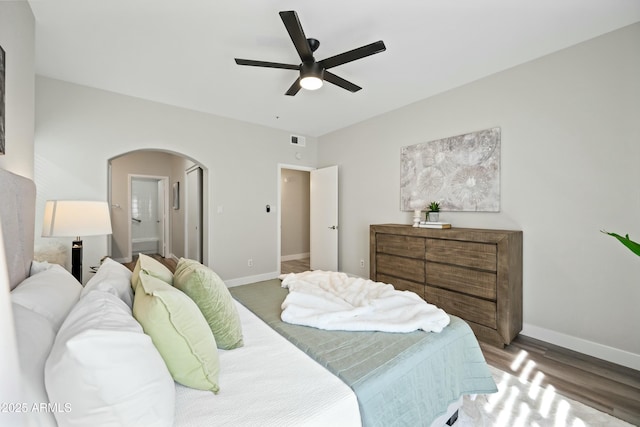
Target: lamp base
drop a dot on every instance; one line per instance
(76, 260)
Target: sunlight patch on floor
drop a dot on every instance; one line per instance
(535, 388)
(540, 406)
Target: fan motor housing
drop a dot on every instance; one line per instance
(311, 69)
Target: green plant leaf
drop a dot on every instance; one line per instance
(633, 246)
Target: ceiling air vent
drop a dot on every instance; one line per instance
(298, 140)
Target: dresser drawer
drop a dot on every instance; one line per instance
(465, 254)
(402, 284)
(460, 279)
(406, 246)
(469, 308)
(405, 268)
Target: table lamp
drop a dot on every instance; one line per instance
(75, 218)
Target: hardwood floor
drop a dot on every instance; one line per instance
(605, 386)
(608, 387)
(294, 266)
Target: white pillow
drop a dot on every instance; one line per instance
(34, 337)
(39, 267)
(114, 278)
(107, 369)
(50, 293)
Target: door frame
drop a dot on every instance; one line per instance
(187, 194)
(165, 209)
(279, 216)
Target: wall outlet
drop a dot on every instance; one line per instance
(361, 263)
(250, 262)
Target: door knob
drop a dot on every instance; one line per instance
(333, 227)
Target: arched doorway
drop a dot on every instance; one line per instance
(170, 169)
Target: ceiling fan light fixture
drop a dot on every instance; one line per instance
(312, 72)
(311, 76)
(311, 83)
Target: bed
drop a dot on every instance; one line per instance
(87, 357)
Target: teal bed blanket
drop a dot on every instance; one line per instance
(400, 379)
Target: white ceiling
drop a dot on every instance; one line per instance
(181, 52)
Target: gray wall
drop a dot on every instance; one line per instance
(178, 172)
(17, 38)
(80, 129)
(570, 155)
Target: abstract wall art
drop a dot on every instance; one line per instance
(461, 172)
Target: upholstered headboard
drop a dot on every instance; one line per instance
(17, 219)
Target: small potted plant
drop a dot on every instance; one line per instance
(434, 212)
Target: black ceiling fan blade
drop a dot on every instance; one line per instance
(294, 28)
(253, 63)
(339, 81)
(354, 54)
(295, 88)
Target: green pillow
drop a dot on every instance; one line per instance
(179, 332)
(153, 268)
(212, 296)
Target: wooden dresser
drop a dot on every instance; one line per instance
(475, 274)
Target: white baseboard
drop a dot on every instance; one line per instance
(601, 351)
(295, 256)
(251, 279)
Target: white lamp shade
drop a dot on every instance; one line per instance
(68, 218)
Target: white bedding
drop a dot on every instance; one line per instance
(335, 301)
(268, 382)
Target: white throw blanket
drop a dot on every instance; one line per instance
(335, 301)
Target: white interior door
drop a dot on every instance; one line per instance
(193, 244)
(324, 219)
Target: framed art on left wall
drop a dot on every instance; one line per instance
(2, 132)
(176, 195)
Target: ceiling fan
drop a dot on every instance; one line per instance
(312, 72)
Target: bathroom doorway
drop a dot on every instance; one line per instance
(149, 212)
(294, 219)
